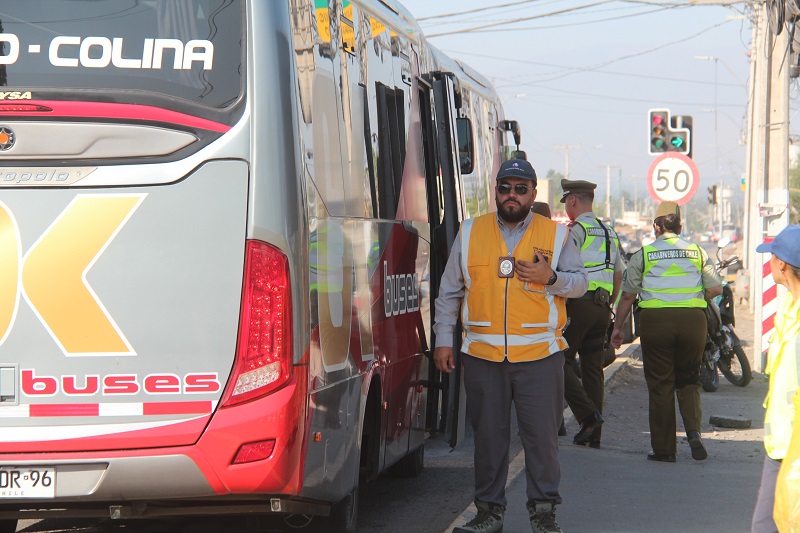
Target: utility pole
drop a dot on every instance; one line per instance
(767, 158)
(566, 148)
(608, 189)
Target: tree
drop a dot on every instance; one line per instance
(794, 192)
(555, 184)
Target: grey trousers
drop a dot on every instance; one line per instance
(762, 514)
(537, 391)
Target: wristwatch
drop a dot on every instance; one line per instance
(553, 278)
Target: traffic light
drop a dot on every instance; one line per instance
(669, 134)
(712, 195)
(685, 122)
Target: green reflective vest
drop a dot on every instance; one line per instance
(672, 275)
(594, 255)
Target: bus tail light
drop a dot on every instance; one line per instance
(264, 349)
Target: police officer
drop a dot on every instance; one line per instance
(673, 280)
(590, 315)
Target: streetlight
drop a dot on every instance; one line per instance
(716, 137)
(510, 96)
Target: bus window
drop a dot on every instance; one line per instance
(466, 153)
(391, 140)
(148, 50)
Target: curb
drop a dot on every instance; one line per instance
(517, 464)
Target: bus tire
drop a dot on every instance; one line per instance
(411, 465)
(344, 515)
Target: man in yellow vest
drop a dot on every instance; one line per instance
(590, 314)
(509, 274)
(673, 280)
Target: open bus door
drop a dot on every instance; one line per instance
(446, 397)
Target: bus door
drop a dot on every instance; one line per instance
(447, 408)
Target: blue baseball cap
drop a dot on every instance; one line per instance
(785, 247)
(517, 168)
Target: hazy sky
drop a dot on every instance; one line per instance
(586, 77)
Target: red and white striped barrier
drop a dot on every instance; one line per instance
(769, 300)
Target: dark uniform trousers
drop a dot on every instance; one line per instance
(673, 340)
(585, 334)
(537, 390)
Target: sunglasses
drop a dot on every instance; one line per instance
(521, 189)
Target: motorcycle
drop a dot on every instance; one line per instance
(723, 350)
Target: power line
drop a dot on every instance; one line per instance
(584, 69)
(595, 11)
(518, 19)
(608, 97)
(568, 24)
(480, 9)
(643, 52)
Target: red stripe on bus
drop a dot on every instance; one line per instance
(177, 408)
(119, 111)
(65, 409)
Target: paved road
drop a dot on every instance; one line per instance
(615, 489)
(611, 489)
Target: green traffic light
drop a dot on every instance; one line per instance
(677, 142)
(658, 143)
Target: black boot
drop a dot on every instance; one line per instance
(699, 452)
(590, 423)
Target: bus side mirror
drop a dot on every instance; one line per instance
(513, 127)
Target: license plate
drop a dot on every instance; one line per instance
(27, 482)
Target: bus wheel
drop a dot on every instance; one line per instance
(344, 515)
(411, 465)
(8, 526)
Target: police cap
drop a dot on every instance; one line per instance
(573, 186)
(668, 208)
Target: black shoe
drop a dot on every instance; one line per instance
(562, 431)
(488, 520)
(663, 457)
(592, 422)
(699, 452)
(543, 518)
(594, 442)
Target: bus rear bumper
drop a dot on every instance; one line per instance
(203, 470)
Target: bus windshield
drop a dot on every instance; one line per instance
(191, 50)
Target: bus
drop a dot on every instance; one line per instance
(222, 225)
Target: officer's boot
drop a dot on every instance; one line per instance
(488, 520)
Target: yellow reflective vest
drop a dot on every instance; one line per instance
(504, 317)
(672, 275)
(594, 253)
(782, 368)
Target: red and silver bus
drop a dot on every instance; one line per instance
(222, 225)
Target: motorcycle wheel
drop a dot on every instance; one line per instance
(709, 377)
(736, 369)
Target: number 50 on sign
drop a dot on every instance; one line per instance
(673, 177)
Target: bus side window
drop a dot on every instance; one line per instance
(391, 156)
(466, 151)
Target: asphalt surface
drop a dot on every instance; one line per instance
(615, 489)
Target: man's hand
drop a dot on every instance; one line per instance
(538, 272)
(443, 357)
(616, 337)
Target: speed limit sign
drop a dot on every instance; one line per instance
(673, 177)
